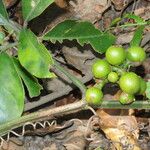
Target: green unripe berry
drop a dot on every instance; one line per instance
(136, 54)
(101, 69)
(113, 77)
(126, 98)
(129, 83)
(94, 96)
(115, 55)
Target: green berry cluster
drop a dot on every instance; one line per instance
(115, 69)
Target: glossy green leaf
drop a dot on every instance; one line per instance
(33, 8)
(148, 90)
(30, 81)
(137, 19)
(11, 90)
(136, 40)
(83, 32)
(3, 11)
(34, 56)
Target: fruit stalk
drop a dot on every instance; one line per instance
(74, 80)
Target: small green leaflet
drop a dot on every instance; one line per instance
(137, 19)
(33, 8)
(30, 81)
(11, 90)
(148, 90)
(3, 11)
(83, 32)
(34, 56)
(136, 40)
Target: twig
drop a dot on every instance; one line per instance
(115, 104)
(127, 25)
(74, 80)
(3, 48)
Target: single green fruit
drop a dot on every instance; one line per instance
(126, 98)
(143, 86)
(129, 83)
(115, 55)
(113, 77)
(101, 68)
(94, 96)
(136, 54)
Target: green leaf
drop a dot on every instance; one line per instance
(30, 81)
(148, 90)
(136, 40)
(137, 19)
(83, 32)
(33, 8)
(34, 56)
(11, 90)
(3, 11)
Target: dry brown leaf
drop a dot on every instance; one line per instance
(143, 12)
(122, 130)
(119, 4)
(78, 59)
(91, 11)
(119, 126)
(9, 3)
(12, 145)
(61, 3)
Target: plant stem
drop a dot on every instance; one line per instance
(117, 69)
(115, 104)
(3, 48)
(127, 25)
(101, 84)
(41, 116)
(10, 24)
(74, 80)
(77, 106)
(14, 26)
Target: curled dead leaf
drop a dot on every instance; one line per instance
(119, 126)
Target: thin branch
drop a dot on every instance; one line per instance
(127, 25)
(3, 48)
(74, 80)
(10, 24)
(115, 104)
